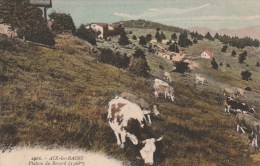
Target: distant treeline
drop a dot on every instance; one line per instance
(225, 39)
(237, 42)
(143, 24)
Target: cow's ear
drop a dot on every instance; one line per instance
(143, 142)
(159, 139)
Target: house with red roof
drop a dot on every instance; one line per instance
(207, 54)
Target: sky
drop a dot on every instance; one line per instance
(215, 14)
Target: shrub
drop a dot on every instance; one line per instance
(258, 64)
(123, 40)
(6, 44)
(43, 35)
(242, 57)
(115, 59)
(148, 37)
(195, 41)
(248, 89)
(62, 22)
(138, 64)
(224, 48)
(246, 75)
(134, 37)
(174, 48)
(86, 34)
(181, 66)
(214, 64)
(233, 53)
(142, 40)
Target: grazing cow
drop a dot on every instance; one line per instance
(251, 124)
(125, 119)
(167, 76)
(199, 79)
(237, 106)
(161, 87)
(147, 109)
(233, 92)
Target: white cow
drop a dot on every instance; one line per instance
(161, 87)
(145, 106)
(126, 120)
(167, 76)
(199, 79)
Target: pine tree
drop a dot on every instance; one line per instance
(148, 37)
(224, 48)
(123, 40)
(142, 40)
(163, 37)
(233, 53)
(246, 75)
(242, 57)
(214, 64)
(174, 36)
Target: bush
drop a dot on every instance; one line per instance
(233, 53)
(224, 48)
(86, 34)
(248, 89)
(242, 57)
(214, 64)
(115, 59)
(246, 75)
(138, 64)
(123, 40)
(43, 35)
(174, 48)
(6, 44)
(62, 22)
(142, 40)
(134, 37)
(148, 37)
(181, 66)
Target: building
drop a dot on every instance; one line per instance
(207, 54)
(104, 29)
(45, 4)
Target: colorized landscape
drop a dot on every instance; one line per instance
(59, 76)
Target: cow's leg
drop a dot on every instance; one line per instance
(241, 128)
(117, 138)
(228, 109)
(123, 136)
(256, 141)
(149, 118)
(238, 127)
(145, 119)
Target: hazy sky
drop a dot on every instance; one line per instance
(215, 14)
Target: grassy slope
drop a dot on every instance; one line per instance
(58, 97)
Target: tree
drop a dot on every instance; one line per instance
(258, 64)
(123, 40)
(174, 48)
(233, 53)
(158, 37)
(148, 37)
(86, 34)
(27, 20)
(214, 64)
(138, 64)
(163, 36)
(246, 75)
(174, 36)
(195, 41)
(134, 37)
(183, 40)
(142, 40)
(224, 48)
(216, 36)
(62, 22)
(209, 37)
(242, 57)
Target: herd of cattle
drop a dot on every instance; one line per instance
(129, 116)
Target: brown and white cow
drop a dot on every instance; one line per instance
(233, 92)
(161, 87)
(148, 110)
(126, 120)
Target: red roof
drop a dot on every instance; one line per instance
(169, 53)
(209, 53)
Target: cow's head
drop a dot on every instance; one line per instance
(229, 98)
(147, 152)
(251, 110)
(155, 110)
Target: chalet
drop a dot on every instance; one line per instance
(168, 55)
(207, 54)
(104, 30)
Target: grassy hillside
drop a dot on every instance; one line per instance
(59, 97)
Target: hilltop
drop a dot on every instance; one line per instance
(59, 97)
(143, 24)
